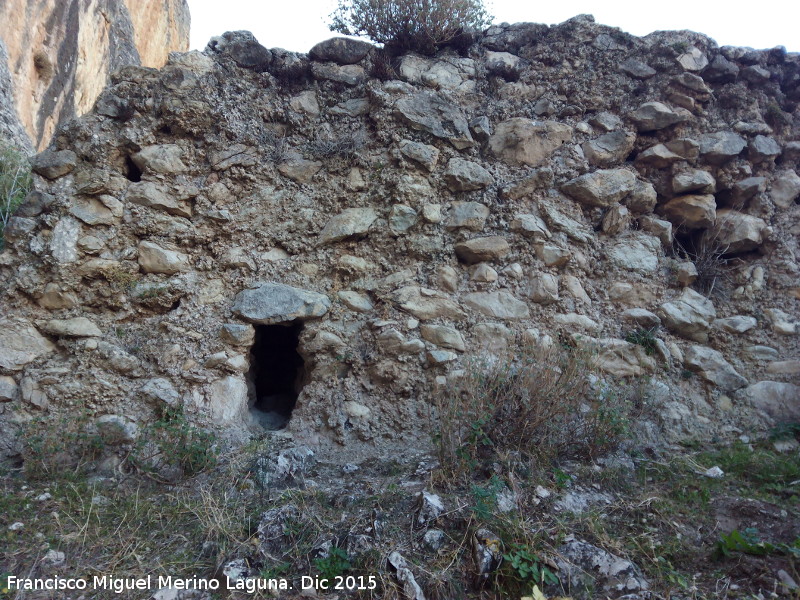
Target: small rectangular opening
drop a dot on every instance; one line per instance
(277, 373)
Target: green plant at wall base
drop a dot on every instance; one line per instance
(748, 541)
(334, 564)
(171, 441)
(528, 567)
(62, 448)
(15, 183)
(646, 338)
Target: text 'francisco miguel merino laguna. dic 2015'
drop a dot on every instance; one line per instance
(248, 585)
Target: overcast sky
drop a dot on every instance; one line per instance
(299, 24)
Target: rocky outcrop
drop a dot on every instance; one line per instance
(388, 234)
(59, 55)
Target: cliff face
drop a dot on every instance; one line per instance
(60, 53)
(247, 231)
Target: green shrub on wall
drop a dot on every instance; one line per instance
(15, 183)
(409, 25)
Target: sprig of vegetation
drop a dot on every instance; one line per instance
(15, 183)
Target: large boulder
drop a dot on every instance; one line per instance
(695, 211)
(482, 249)
(720, 147)
(735, 232)
(20, 344)
(341, 50)
(609, 148)
(268, 303)
(712, 366)
(500, 305)
(351, 222)
(689, 316)
(601, 188)
(778, 400)
(464, 175)
(652, 116)
(426, 304)
(432, 112)
(520, 141)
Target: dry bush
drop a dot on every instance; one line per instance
(409, 25)
(539, 404)
(708, 253)
(345, 146)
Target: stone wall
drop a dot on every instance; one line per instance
(60, 53)
(413, 214)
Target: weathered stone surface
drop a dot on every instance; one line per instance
(659, 228)
(482, 249)
(300, 169)
(713, 367)
(561, 222)
(637, 69)
(74, 327)
(351, 222)
(402, 218)
(163, 158)
(152, 195)
(427, 304)
(601, 188)
(226, 400)
(720, 147)
(341, 50)
(689, 316)
(54, 163)
(94, 212)
(543, 288)
(693, 180)
(609, 149)
(500, 305)
(8, 389)
(431, 112)
(424, 154)
(643, 198)
(658, 156)
(652, 116)
(20, 344)
(735, 324)
(464, 175)
(762, 148)
(692, 211)
(267, 303)
(584, 566)
(446, 73)
(775, 399)
(785, 188)
(356, 301)
(492, 337)
(735, 232)
(238, 334)
(530, 226)
(693, 59)
(155, 259)
(642, 317)
(160, 390)
(444, 336)
(637, 252)
(469, 215)
(616, 220)
(521, 141)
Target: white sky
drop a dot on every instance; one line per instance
(299, 24)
